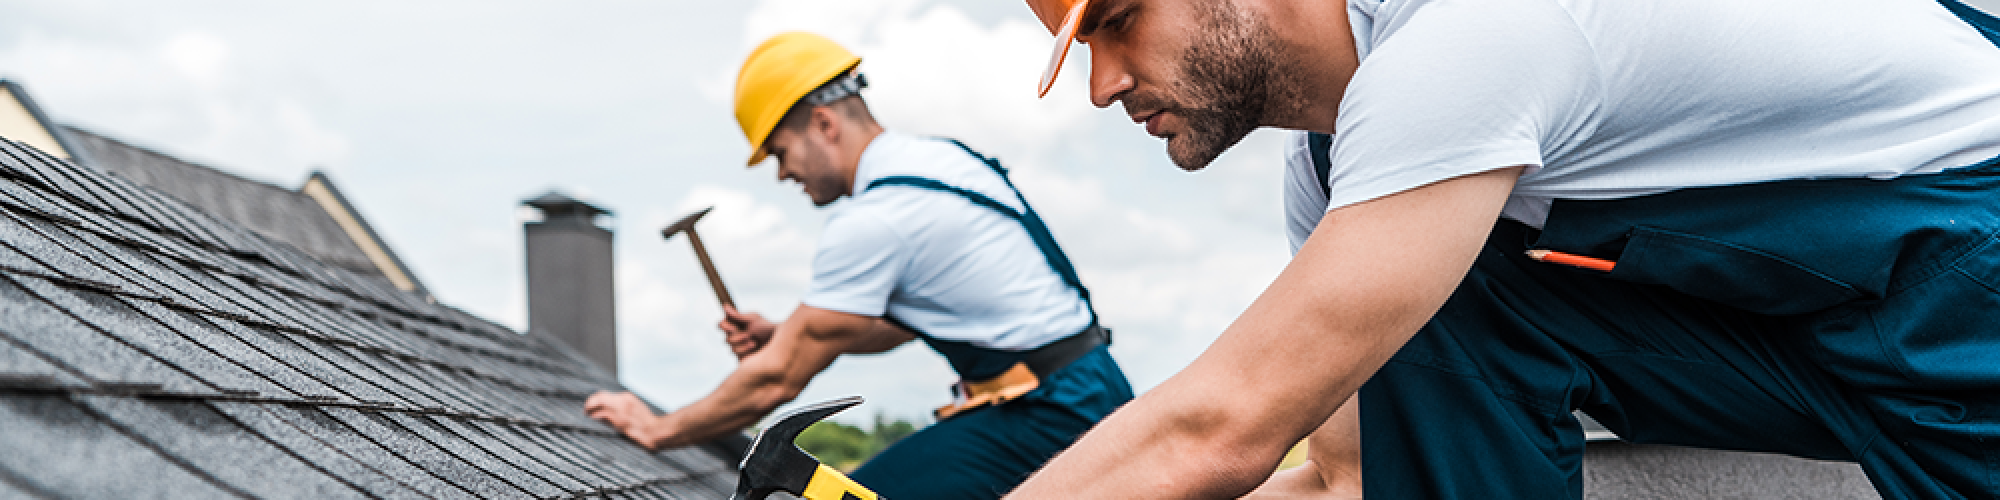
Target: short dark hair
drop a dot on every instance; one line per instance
(851, 106)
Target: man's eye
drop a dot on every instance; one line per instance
(1116, 22)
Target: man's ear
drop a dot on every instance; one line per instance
(826, 122)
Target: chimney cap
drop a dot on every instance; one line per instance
(554, 203)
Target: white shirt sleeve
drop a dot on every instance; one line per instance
(859, 261)
(1457, 87)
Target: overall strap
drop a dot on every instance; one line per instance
(1318, 146)
(1985, 23)
(978, 363)
(1030, 221)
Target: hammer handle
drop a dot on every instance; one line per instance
(714, 280)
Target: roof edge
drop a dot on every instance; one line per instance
(75, 154)
(73, 129)
(320, 188)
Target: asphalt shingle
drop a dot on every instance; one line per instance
(30, 321)
(213, 443)
(55, 446)
(265, 420)
(148, 349)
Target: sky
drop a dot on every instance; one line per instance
(437, 118)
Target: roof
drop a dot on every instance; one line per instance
(1616, 470)
(23, 120)
(315, 218)
(554, 203)
(150, 348)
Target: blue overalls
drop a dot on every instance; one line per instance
(985, 452)
(1845, 319)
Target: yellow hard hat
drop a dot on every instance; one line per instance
(774, 77)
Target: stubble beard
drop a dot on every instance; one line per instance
(1232, 81)
(824, 184)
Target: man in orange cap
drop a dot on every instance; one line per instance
(932, 242)
(1760, 226)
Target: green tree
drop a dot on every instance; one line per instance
(845, 446)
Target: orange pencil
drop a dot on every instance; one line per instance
(1570, 259)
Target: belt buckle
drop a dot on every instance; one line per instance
(960, 393)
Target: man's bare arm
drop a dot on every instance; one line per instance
(806, 343)
(1367, 279)
(1332, 469)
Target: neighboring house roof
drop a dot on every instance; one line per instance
(149, 348)
(23, 120)
(315, 218)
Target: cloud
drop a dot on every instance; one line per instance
(181, 93)
(199, 57)
(934, 69)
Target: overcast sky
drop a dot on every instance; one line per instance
(438, 117)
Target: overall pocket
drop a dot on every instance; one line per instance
(1732, 274)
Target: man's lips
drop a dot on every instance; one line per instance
(1152, 121)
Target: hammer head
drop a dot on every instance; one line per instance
(684, 224)
(774, 462)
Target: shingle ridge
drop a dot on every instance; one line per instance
(176, 159)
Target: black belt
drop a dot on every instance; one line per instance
(1047, 359)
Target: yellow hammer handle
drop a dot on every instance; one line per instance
(829, 484)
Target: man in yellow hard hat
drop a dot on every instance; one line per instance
(932, 242)
(1765, 226)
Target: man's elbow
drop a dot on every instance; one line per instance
(767, 399)
(1237, 456)
(770, 387)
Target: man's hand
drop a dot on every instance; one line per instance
(627, 413)
(746, 332)
(774, 363)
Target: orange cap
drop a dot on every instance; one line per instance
(1060, 17)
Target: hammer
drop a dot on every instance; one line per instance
(774, 463)
(714, 280)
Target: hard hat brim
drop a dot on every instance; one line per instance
(1065, 36)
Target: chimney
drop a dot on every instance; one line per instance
(569, 277)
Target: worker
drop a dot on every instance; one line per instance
(1769, 226)
(933, 242)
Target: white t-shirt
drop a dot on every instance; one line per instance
(934, 260)
(1607, 99)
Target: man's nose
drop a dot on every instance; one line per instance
(1108, 78)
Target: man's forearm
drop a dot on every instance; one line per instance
(1208, 432)
(744, 397)
(1361, 286)
(1152, 451)
(803, 345)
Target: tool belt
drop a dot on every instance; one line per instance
(1025, 375)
